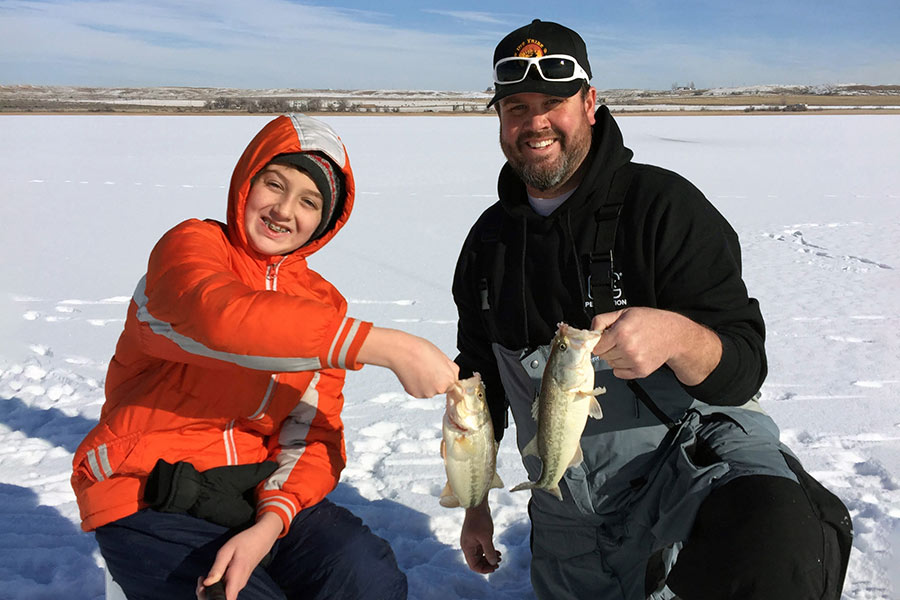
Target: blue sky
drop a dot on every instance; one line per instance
(401, 44)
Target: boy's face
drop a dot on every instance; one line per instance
(283, 209)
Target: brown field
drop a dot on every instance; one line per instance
(26, 99)
(775, 100)
(710, 112)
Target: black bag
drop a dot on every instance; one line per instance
(835, 519)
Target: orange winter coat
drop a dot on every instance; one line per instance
(228, 357)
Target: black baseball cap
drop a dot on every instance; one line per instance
(541, 38)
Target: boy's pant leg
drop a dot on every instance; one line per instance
(329, 553)
(154, 555)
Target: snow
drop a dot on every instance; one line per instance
(814, 198)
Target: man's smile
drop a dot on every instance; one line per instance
(539, 144)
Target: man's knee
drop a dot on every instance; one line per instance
(755, 537)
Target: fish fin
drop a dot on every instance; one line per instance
(443, 449)
(528, 485)
(448, 498)
(555, 491)
(594, 409)
(578, 458)
(597, 391)
(536, 409)
(497, 482)
(531, 448)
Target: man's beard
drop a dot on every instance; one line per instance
(546, 175)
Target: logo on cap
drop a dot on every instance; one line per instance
(530, 49)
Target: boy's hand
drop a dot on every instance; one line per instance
(237, 558)
(423, 370)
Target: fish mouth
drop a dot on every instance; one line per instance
(455, 424)
(578, 337)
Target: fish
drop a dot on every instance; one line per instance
(468, 446)
(566, 400)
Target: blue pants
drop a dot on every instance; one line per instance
(327, 553)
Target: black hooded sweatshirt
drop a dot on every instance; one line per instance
(520, 273)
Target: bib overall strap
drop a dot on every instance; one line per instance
(600, 260)
(489, 262)
(603, 288)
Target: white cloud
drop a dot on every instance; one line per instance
(468, 15)
(283, 43)
(276, 44)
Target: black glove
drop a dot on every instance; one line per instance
(222, 495)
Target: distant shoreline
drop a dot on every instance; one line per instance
(198, 101)
(617, 114)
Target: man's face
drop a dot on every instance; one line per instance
(546, 138)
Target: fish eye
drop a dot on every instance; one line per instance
(562, 346)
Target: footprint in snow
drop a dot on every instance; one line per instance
(847, 339)
(41, 350)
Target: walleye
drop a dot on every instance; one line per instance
(561, 410)
(468, 448)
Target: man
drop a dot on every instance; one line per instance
(684, 489)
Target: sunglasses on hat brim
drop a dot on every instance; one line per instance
(553, 67)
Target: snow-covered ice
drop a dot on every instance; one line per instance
(814, 198)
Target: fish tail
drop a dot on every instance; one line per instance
(528, 485)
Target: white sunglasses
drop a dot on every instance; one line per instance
(553, 67)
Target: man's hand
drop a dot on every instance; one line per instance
(638, 341)
(237, 558)
(476, 540)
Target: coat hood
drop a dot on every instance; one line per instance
(283, 135)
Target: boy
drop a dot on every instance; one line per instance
(221, 433)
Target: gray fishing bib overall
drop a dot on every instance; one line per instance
(634, 498)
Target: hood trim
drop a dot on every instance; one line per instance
(317, 136)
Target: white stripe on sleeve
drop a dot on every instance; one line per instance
(261, 363)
